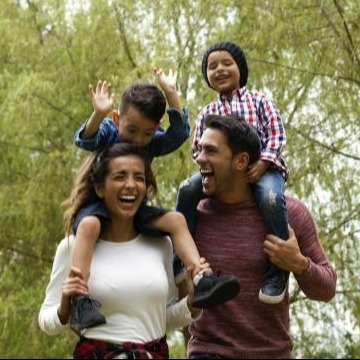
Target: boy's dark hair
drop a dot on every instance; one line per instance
(146, 98)
(235, 51)
(240, 135)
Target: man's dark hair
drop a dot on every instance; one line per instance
(240, 135)
(146, 98)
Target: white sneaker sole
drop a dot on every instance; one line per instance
(271, 299)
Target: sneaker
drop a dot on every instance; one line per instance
(274, 288)
(213, 290)
(84, 313)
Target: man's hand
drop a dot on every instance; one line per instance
(286, 254)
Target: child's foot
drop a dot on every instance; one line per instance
(84, 313)
(213, 290)
(274, 288)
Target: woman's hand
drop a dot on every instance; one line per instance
(74, 284)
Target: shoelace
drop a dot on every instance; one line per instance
(93, 302)
(276, 281)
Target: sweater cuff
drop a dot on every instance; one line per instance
(307, 274)
(58, 322)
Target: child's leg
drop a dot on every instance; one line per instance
(87, 227)
(87, 234)
(270, 198)
(269, 195)
(210, 290)
(189, 195)
(174, 223)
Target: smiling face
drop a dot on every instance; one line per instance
(135, 128)
(215, 161)
(124, 187)
(223, 72)
(223, 173)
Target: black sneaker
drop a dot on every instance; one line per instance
(84, 313)
(274, 288)
(214, 290)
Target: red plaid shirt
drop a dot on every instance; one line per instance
(97, 349)
(258, 110)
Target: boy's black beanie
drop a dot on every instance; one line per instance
(235, 51)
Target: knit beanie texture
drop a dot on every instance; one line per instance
(235, 51)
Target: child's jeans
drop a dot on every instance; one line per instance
(269, 196)
(189, 195)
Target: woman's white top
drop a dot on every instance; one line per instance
(134, 283)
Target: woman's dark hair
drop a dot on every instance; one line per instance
(94, 171)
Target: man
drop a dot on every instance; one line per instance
(232, 236)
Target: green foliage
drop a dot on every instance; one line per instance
(176, 345)
(305, 53)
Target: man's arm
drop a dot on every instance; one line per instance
(303, 255)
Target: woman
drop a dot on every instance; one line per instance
(131, 273)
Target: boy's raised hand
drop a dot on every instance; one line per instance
(102, 99)
(168, 85)
(166, 82)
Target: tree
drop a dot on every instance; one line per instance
(305, 53)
